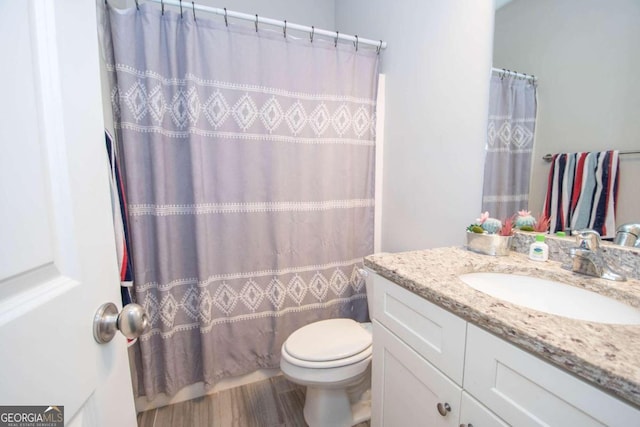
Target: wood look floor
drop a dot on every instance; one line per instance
(274, 402)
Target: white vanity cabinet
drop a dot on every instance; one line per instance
(527, 391)
(432, 368)
(475, 414)
(408, 390)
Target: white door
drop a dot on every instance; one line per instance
(57, 253)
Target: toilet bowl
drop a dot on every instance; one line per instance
(332, 359)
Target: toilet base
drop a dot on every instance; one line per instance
(339, 406)
(325, 407)
(330, 408)
(361, 410)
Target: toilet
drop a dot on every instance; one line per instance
(332, 359)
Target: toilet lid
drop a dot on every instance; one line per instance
(326, 340)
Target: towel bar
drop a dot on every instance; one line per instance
(548, 157)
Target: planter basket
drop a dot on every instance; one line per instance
(489, 244)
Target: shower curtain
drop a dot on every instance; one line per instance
(510, 136)
(249, 166)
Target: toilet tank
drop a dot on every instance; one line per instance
(368, 275)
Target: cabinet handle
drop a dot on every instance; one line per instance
(466, 425)
(443, 409)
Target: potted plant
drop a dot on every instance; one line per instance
(490, 236)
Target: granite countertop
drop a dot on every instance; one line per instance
(605, 355)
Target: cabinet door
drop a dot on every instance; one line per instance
(406, 389)
(474, 414)
(524, 390)
(435, 333)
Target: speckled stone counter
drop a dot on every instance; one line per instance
(605, 355)
(625, 259)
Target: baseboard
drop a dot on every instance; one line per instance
(198, 390)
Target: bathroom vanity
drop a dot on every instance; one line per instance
(446, 354)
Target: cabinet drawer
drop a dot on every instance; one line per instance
(433, 332)
(525, 391)
(406, 389)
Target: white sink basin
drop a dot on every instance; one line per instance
(553, 297)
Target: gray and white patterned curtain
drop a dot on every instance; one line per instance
(249, 168)
(510, 136)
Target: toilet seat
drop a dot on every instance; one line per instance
(337, 363)
(328, 344)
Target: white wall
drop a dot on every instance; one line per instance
(585, 55)
(437, 70)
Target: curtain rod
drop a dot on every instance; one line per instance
(549, 157)
(190, 6)
(514, 73)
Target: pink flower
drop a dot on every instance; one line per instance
(483, 217)
(524, 213)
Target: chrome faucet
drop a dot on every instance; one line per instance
(627, 235)
(588, 257)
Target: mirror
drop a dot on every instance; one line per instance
(585, 55)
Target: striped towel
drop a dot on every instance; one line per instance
(119, 206)
(582, 192)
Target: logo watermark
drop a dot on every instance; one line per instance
(32, 416)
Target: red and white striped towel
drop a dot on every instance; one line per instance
(582, 192)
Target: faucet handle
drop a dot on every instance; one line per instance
(587, 239)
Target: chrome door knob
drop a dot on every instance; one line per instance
(443, 409)
(132, 321)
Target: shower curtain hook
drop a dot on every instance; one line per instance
(137, 5)
(193, 5)
(313, 30)
(181, 16)
(226, 23)
(379, 48)
(256, 22)
(335, 41)
(162, 4)
(356, 43)
(284, 31)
